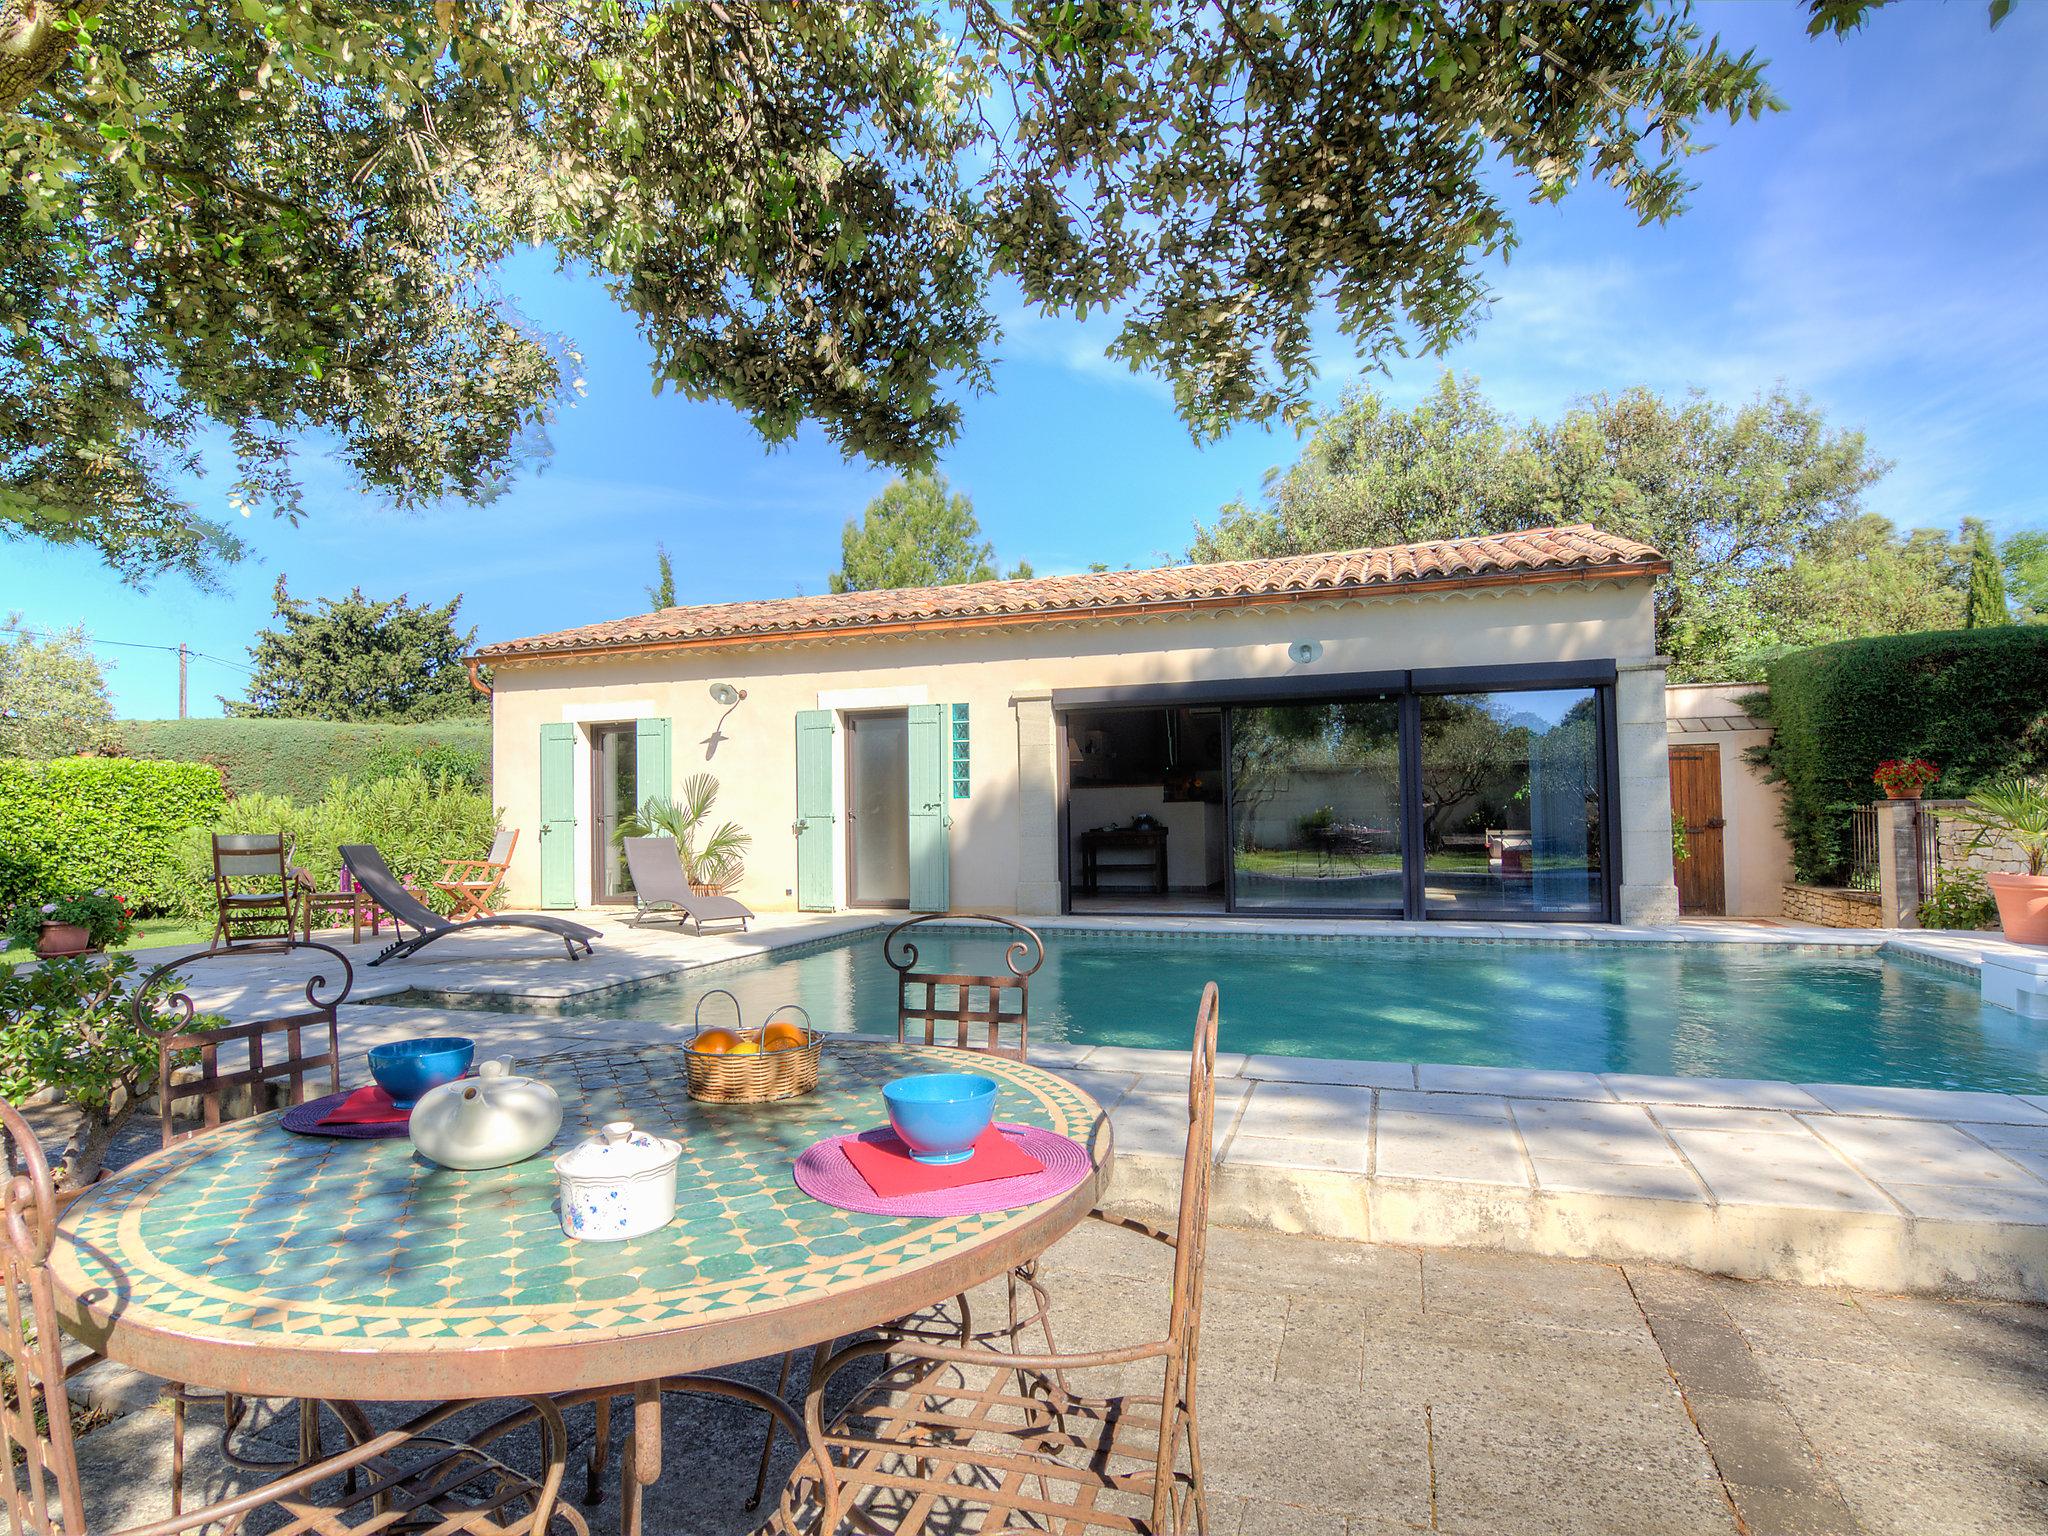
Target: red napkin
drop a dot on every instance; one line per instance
(881, 1159)
(367, 1106)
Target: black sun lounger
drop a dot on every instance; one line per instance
(661, 891)
(384, 888)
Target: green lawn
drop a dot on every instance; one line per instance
(149, 932)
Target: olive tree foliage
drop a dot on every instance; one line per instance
(53, 695)
(252, 224)
(1752, 504)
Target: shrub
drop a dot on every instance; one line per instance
(88, 822)
(299, 758)
(1975, 701)
(101, 913)
(1960, 900)
(70, 1025)
(415, 819)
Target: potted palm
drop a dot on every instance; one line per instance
(711, 865)
(2015, 811)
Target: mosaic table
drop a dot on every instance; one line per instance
(276, 1265)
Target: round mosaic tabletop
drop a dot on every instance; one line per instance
(251, 1259)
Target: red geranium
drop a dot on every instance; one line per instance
(1908, 776)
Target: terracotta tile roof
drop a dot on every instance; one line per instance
(1539, 553)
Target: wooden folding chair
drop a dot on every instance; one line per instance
(471, 883)
(266, 915)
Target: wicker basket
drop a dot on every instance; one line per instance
(719, 1077)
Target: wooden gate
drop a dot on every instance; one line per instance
(1696, 802)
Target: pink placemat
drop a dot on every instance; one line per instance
(824, 1173)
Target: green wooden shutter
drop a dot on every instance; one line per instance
(814, 819)
(931, 770)
(651, 760)
(558, 815)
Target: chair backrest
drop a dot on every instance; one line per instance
(249, 1044)
(1191, 1244)
(245, 856)
(502, 846)
(34, 1412)
(1005, 1000)
(384, 888)
(656, 865)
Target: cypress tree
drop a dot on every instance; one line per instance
(1985, 608)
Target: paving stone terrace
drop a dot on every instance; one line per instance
(1894, 1189)
(1355, 1390)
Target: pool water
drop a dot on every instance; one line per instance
(1811, 1015)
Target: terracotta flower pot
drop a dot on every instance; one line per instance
(58, 940)
(1900, 792)
(2022, 906)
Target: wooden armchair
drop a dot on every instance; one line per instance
(255, 890)
(471, 883)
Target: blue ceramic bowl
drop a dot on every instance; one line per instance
(405, 1069)
(939, 1115)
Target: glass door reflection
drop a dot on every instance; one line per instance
(878, 809)
(614, 787)
(1315, 807)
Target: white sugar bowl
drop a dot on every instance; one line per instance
(486, 1121)
(620, 1183)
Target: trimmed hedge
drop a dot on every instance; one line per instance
(102, 821)
(416, 820)
(299, 758)
(1974, 702)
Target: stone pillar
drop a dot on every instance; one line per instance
(1898, 864)
(1648, 892)
(1038, 806)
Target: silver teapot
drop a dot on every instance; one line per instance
(486, 1121)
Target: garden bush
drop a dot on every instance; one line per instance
(415, 819)
(299, 758)
(84, 822)
(1974, 702)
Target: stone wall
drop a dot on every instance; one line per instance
(1829, 906)
(1953, 838)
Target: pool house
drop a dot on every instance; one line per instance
(1467, 729)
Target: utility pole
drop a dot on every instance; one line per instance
(184, 652)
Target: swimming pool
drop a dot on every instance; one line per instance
(1806, 1014)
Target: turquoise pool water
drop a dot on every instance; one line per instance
(1691, 1010)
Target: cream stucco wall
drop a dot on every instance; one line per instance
(1004, 849)
(1757, 859)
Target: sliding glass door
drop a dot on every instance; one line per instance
(1511, 803)
(1421, 804)
(1315, 807)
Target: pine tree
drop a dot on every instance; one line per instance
(1985, 608)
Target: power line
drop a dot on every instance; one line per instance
(133, 645)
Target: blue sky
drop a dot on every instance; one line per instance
(1879, 245)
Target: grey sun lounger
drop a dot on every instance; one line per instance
(384, 888)
(661, 892)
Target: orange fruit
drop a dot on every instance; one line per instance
(784, 1036)
(716, 1042)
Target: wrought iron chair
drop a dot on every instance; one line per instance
(180, 1050)
(398, 1479)
(920, 1013)
(946, 1439)
(263, 916)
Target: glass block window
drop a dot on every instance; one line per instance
(960, 755)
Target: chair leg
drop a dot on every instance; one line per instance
(177, 1448)
(600, 1452)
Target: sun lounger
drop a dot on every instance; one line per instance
(660, 890)
(376, 878)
